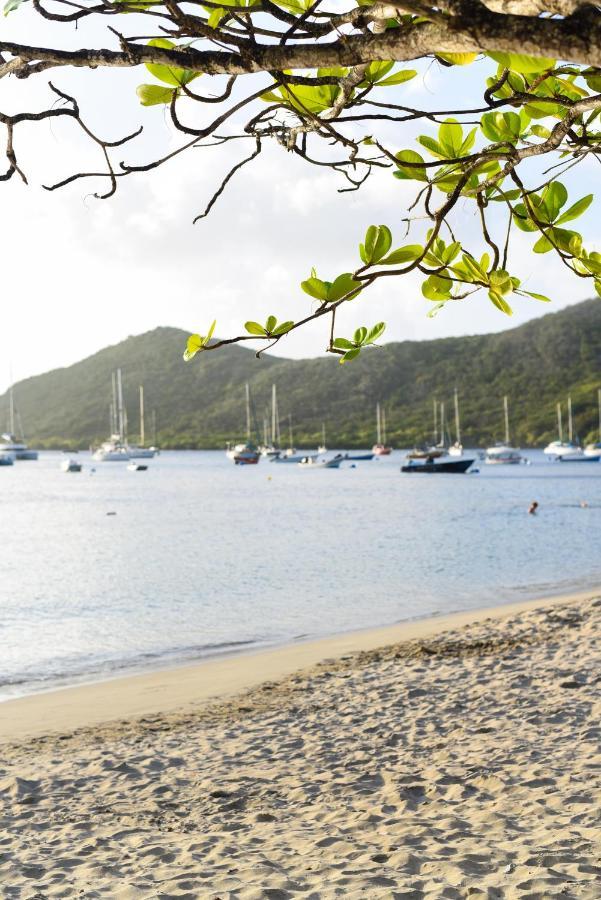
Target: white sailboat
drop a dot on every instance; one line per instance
(565, 451)
(271, 446)
(456, 449)
(246, 454)
(10, 445)
(115, 449)
(594, 450)
(141, 452)
(323, 446)
(504, 453)
(380, 448)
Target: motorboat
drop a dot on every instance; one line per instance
(71, 465)
(437, 466)
(593, 450)
(6, 458)
(314, 462)
(137, 467)
(358, 457)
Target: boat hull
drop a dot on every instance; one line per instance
(448, 467)
(358, 457)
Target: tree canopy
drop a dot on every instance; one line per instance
(322, 80)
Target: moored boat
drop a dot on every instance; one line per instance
(380, 448)
(358, 457)
(115, 448)
(504, 453)
(456, 449)
(10, 444)
(71, 465)
(313, 462)
(6, 458)
(247, 454)
(570, 450)
(435, 465)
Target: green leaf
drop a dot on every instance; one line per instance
(458, 59)
(360, 335)
(553, 197)
(283, 328)
(378, 241)
(216, 17)
(343, 344)
(374, 333)
(416, 171)
(169, 74)
(450, 138)
(254, 328)
(540, 297)
(403, 255)
(210, 331)
(432, 146)
(540, 131)
(399, 77)
(270, 324)
(343, 285)
(154, 94)
(350, 354)
(11, 5)
(576, 210)
(500, 303)
(315, 287)
(598, 285)
(193, 346)
(436, 287)
(526, 65)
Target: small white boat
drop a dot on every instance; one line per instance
(71, 465)
(6, 458)
(137, 467)
(314, 462)
(570, 450)
(504, 453)
(111, 451)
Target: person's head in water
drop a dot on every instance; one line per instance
(533, 507)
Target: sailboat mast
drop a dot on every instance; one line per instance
(559, 425)
(154, 428)
(506, 412)
(378, 425)
(247, 414)
(121, 408)
(441, 424)
(383, 426)
(11, 411)
(570, 422)
(142, 434)
(290, 430)
(435, 422)
(114, 404)
(323, 426)
(274, 409)
(457, 428)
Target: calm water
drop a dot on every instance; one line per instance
(204, 557)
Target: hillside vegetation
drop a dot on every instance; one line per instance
(201, 404)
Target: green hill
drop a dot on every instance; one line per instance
(201, 404)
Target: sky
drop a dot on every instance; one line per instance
(79, 274)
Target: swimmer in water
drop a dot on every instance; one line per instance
(533, 507)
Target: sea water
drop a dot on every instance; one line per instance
(110, 571)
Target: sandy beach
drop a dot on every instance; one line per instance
(453, 758)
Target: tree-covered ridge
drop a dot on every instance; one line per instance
(536, 364)
(321, 80)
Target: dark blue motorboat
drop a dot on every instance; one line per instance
(430, 464)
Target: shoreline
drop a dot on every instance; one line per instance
(189, 686)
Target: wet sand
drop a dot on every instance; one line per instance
(462, 761)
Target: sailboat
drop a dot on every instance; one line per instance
(141, 452)
(436, 449)
(115, 448)
(380, 448)
(323, 446)
(271, 448)
(594, 450)
(504, 453)
(10, 446)
(289, 455)
(570, 450)
(246, 454)
(457, 448)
